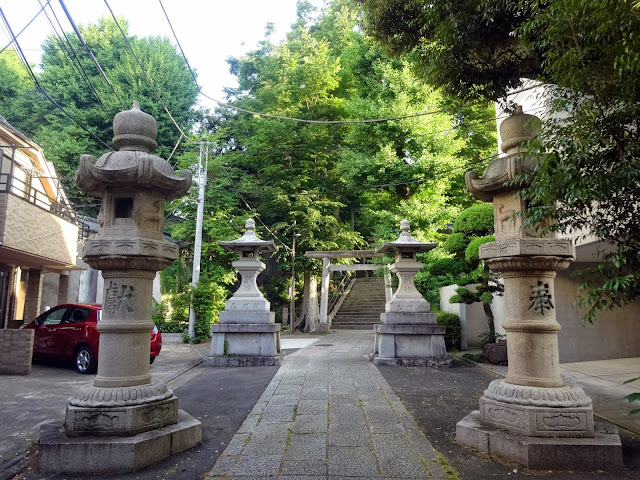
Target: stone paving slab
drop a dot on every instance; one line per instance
(328, 413)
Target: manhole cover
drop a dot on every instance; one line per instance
(323, 345)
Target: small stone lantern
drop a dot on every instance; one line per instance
(408, 333)
(532, 417)
(124, 400)
(247, 334)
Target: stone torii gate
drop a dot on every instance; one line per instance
(328, 269)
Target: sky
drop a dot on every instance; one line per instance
(208, 30)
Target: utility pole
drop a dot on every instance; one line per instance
(197, 247)
(292, 306)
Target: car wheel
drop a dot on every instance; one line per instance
(85, 360)
(151, 360)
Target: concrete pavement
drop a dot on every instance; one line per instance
(326, 413)
(329, 413)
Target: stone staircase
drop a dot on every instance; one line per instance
(363, 305)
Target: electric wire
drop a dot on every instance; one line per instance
(255, 214)
(77, 65)
(42, 90)
(42, 7)
(89, 52)
(149, 81)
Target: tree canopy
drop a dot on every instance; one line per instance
(587, 54)
(69, 76)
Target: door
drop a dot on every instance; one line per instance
(47, 325)
(73, 330)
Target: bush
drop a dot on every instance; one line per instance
(455, 244)
(172, 315)
(429, 286)
(453, 334)
(471, 253)
(444, 266)
(474, 221)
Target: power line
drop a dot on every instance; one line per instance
(155, 90)
(72, 55)
(42, 7)
(89, 52)
(284, 117)
(42, 90)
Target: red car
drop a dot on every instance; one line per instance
(68, 332)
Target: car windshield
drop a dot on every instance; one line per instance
(99, 315)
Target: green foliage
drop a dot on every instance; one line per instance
(446, 266)
(490, 337)
(453, 333)
(429, 286)
(172, 314)
(91, 100)
(588, 56)
(456, 243)
(634, 397)
(471, 253)
(475, 220)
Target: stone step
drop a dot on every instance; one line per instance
(352, 326)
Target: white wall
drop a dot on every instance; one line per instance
(472, 317)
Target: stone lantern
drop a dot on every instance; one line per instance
(124, 401)
(247, 334)
(408, 333)
(532, 417)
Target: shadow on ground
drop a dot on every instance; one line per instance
(438, 398)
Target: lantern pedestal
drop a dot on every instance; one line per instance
(247, 335)
(408, 334)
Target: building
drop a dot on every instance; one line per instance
(38, 230)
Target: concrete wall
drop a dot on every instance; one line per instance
(472, 317)
(33, 230)
(615, 334)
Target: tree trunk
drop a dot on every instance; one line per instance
(489, 315)
(313, 308)
(302, 321)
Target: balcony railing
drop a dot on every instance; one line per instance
(24, 188)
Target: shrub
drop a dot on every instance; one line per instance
(474, 221)
(455, 244)
(453, 334)
(471, 253)
(444, 266)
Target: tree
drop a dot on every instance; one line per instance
(70, 77)
(588, 55)
(472, 228)
(323, 177)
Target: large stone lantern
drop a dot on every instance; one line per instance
(532, 417)
(124, 400)
(408, 333)
(247, 334)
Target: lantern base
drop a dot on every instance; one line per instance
(244, 344)
(63, 454)
(410, 345)
(603, 451)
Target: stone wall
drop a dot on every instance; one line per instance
(16, 349)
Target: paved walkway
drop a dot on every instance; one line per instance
(328, 413)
